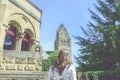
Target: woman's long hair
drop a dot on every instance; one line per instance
(63, 61)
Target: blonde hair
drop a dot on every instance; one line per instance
(63, 61)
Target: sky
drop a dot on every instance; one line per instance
(71, 13)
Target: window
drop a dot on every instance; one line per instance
(10, 38)
(25, 43)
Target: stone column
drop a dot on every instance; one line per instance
(33, 44)
(19, 37)
(0, 36)
(2, 18)
(4, 28)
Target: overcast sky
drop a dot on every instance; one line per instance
(70, 13)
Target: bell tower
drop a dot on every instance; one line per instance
(63, 40)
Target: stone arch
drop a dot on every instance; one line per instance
(22, 20)
(30, 33)
(15, 24)
(11, 36)
(27, 41)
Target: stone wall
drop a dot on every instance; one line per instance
(23, 65)
(82, 76)
(8, 75)
(20, 61)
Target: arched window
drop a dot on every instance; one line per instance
(10, 39)
(25, 43)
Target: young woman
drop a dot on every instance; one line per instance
(62, 69)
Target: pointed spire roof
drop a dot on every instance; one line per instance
(60, 28)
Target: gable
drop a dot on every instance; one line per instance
(62, 32)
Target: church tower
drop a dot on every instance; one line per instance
(63, 40)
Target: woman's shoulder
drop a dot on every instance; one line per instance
(72, 66)
(51, 67)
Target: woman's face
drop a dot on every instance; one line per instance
(61, 57)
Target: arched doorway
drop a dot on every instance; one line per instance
(10, 38)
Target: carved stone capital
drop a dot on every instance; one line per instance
(20, 35)
(6, 27)
(34, 41)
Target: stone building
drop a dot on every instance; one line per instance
(20, 52)
(62, 40)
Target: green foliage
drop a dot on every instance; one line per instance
(105, 75)
(51, 59)
(45, 65)
(100, 48)
(53, 56)
(96, 73)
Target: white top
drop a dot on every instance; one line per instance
(67, 74)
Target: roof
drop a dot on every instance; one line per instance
(49, 52)
(60, 28)
(32, 4)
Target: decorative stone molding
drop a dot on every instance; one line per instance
(21, 64)
(22, 35)
(9, 60)
(20, 67)
(38, 68)
(34, 41)
(39, 62)
(15, 2)
(31, 61)
(29, 68)
(10, 67)
(1, 67)
(6, 27)
(20, 61)
(24, 19)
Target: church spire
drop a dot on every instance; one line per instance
(62, 39)
(60, 28)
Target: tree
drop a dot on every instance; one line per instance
(100, 49)
(51, 59)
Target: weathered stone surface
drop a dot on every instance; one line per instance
(10, 67)
(25, 75)
(1, 67)
(8, 60)
(31, 61)
(29, 68)
(25, 17)
(20, 67)
(38, 68)
(20, 61)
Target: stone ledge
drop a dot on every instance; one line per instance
(21, 54)
(22, 74)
